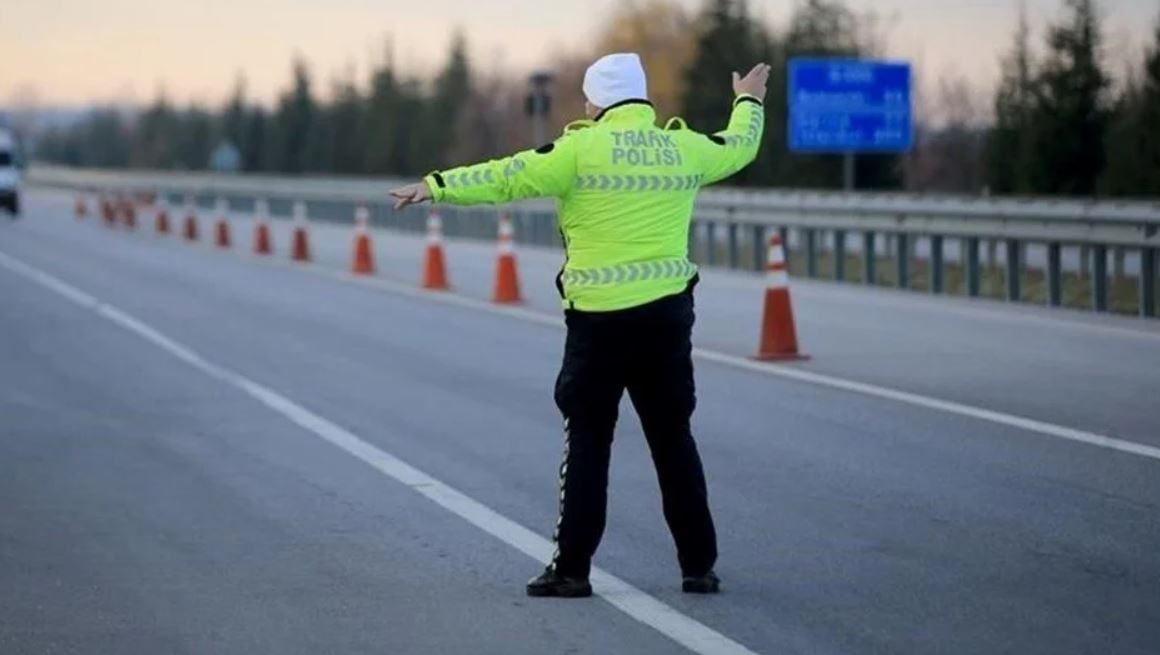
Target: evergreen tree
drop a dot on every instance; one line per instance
(234, 117)
(1149, 118)
(336, 143)
(1133, 152)
(414, 150)
(193, 141)
(346, 120)
(724, 43)
(727, 40)
(294, 121)
(103, 140)
(1009, 141)
(55, 146)
(443, 125)
(255, 133)
(382, 136)
(394, 125)
(1070, 116)
(823, 28)
(1125, 173)
(154, 138)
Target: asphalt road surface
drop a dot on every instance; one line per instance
(203, 452)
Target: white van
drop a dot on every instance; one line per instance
(9, 173)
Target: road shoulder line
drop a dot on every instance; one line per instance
(684, 630)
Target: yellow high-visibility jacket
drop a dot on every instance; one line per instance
(624, 190)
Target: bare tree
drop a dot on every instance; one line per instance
(948, 153)
(23, 109)
(661, 32)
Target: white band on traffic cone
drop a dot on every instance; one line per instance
(776, 276)
(506, 235)
(776, 254)
(434, 229)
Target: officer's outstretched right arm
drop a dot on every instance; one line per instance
(732, 149)
(547, 171)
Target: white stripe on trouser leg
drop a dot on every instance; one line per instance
(563, 476)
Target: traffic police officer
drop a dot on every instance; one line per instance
(625, 191)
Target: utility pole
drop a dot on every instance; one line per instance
(848, 180)
(538, 105)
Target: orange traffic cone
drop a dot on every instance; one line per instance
(434, 267)
(222, 225)
(301, 247)
(778, 335)
(507, 279)
(128, 212)
(81, 208)
(190, 220)
(161, 222)
(108, 211)
(262, 244)
(364, 257)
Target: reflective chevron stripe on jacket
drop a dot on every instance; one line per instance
(638, 182)
(623, 273)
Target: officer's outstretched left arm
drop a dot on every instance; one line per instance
(548, 171)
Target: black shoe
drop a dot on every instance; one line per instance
(550, 583)
(702, 584)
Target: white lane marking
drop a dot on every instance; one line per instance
(786, 372)
(686, 631)
(951, 407)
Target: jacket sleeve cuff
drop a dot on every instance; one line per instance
(436, 186)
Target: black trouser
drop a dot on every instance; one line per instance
(648, 351)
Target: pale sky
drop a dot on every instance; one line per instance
(82, 51)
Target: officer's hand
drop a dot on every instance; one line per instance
(412, 194)
(753, 83)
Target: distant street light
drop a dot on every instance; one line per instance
(539, 104)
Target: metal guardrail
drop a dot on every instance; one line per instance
(817, 224)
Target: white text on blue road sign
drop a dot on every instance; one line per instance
(849, 105)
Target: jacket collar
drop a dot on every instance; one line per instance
(624, 108)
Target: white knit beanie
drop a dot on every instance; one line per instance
(615, 78)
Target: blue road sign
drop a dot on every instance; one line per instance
(849, 105)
